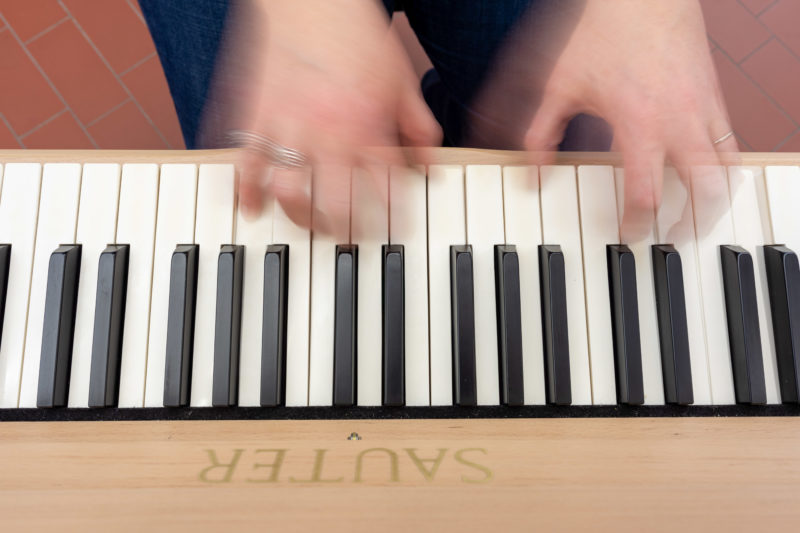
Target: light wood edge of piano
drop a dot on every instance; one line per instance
(460, 156)
(684, 474)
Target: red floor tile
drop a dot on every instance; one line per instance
(60, 133)
(25, 97)
(784, 20)
(29, 17)
(77, 72)
(7, 140)
(756, 120)
(115, 29)
(126, 128)
(757, 6)
(793, 144)
(733, 28)
(777, 71)
(149, 87)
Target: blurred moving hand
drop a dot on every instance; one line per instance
(326, 78)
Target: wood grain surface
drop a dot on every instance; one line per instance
(679, 474)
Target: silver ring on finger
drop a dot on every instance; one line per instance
(278, 155)
(723, 138)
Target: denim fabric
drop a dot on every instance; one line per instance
(461, 37)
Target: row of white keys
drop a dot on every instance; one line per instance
(136, 226)
(323, 275)
(523, 228)
(254, 234)
(560, 225)
(369, 217)
(19, 206)
(97, 225)
(711, 232)
(750, 214)
(213, 228)
(58, 215)
(285, 231)
(485, 229)
(175, 225)
(599, 227)
(675, 224)
(652, 378)
(446, 227)
(408, 226)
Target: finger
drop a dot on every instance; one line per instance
(331, 195)
(547, 128)
(253, 177)
(644, 171)
(292, 190)
(700, 168)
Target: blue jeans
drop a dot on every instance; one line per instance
(461, 38)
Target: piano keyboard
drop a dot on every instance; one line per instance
(140, 285)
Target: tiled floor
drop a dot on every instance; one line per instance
(84, 74)
(81, 74)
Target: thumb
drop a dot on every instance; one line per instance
(548, 126)
(416, 124)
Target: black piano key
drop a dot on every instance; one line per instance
(394, 353)
(553, 285)
(743, 330)
(345, 326)
(625, 324)
(273, 329)
(228, 325)
(462, 309)
(672, 325)
(783, 279)
(109, 319)
(180, 325)
(5, 264)
(59, 326)
(509, 324)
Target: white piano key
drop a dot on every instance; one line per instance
(297, 326)
(213, 228)
(323, 272)
(58, 215)
(652, 379)
(783, 190)
(599, 228)
(484, 203)
(409, 227)
(176, 217)
(254, 235)
(446, 227)
(97, 224)
(136, 226)
(675, 224)
(19, 207)
(711, 232)
(560, 225)
(523, 225)
(370, 230)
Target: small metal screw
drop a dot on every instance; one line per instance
(354, 436)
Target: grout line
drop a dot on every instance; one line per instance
(753, 52)
(770, 6)
(42, 124)
(743, 142)
(47, 79)
(116, 77)
(136, 11)
(781, 144)
(760, 89)
(48, 29)
(14, 133)
(104, 114)
(139, 63)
